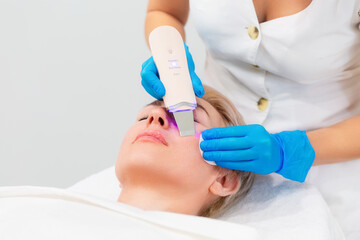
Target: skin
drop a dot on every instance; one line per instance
(172, 177)
(332, 144)
(267, 10)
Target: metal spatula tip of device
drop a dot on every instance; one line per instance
(185, 122)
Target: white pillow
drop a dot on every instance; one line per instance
(103, 184)
(277, 208)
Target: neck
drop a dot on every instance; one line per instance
(168, 200)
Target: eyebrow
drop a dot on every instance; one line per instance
(158, 103)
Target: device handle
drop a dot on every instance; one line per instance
(167, 48)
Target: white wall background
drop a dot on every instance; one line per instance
(70, 85)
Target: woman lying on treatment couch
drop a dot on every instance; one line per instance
(160, 170)
(172, 177)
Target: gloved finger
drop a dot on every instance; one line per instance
(189, 59)
(149, 89)
(149, 66)
(146, 63)
(196, 82)
(151, 81)
(231, 156)
(241, 166)
(223, 144)
(225, 132)
(197, 85)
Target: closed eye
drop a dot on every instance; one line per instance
(143, 118)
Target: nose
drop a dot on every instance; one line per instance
(158, 116)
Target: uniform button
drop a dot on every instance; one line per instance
(253, 32)
(262, 104)
(255, 66)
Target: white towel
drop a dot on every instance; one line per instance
(40, 213)
(277, 208)
(339, 184)
(283, 209)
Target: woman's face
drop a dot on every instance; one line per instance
(174, 162)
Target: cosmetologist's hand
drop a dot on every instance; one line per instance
(152, 84)
(252, 148)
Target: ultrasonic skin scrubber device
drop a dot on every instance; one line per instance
(167, 48)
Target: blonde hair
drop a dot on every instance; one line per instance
(231, 117)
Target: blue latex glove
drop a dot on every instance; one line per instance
(152, 84)
(252, 148)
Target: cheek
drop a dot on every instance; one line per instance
(194, 171)
(125, 148)
(130, 135)
(197, 134)
(198, 130)
(191, 146)
(189, 151)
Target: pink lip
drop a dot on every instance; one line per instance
(154, 135)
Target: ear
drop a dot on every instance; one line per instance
(225, 184)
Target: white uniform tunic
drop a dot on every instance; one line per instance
(298, 72)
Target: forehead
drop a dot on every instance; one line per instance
(204, 110)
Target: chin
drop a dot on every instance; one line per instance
(144, 158)
(146, 170)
